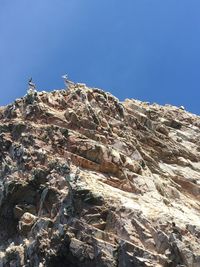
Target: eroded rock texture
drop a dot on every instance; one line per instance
(88, 181)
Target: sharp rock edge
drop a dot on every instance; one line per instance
(87, 180)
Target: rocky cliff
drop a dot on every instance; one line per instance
(86, 180)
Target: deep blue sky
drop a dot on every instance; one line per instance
(143, 49)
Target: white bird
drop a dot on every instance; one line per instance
(67, 82)
(31, 86)
(182, 107)
(65, 76)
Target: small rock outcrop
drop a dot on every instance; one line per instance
(87, 180)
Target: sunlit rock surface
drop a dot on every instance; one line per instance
(86, 180)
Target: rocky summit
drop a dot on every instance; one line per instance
(89, 181)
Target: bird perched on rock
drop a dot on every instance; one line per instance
(67, 82)
(31, 86)
(182, 107)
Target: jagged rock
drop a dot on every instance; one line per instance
(26, 222)
(14, 256)
(87, 180)
(161, 241)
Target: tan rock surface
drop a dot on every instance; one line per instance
(86, 180)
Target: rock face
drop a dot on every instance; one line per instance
(86, 180)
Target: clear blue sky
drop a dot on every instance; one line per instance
(143, 49)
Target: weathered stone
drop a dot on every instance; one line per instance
(17, 130)
(161, 241)
(26, 222)
(14, 256)
(86, 180)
